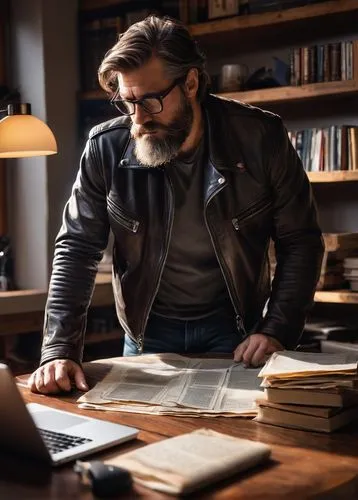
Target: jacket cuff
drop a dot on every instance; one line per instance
(288, 337)
(61, 351)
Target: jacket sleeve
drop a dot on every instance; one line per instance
(298, 243)
(79, 247)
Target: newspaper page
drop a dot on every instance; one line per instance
(139, 379)
(241, 390)
(287, 364)
(191, 461)
(181, 386)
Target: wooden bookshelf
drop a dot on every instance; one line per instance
(294, 25)
(295, 94)
(338, 176)
(278, 28)
(337, 297)
(267, 19)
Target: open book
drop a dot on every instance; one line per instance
(185, 463)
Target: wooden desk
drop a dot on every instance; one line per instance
(304, 465)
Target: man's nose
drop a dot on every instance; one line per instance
(140, 116)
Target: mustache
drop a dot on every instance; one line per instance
(139, 130)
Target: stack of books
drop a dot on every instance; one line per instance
(311, 391)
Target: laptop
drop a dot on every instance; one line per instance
(55, 436)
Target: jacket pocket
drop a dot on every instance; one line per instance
(121, 217)
(246, 215)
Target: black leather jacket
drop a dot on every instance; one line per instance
(254, 188)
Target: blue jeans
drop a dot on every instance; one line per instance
(216, 334)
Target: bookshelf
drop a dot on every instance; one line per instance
(291, 94)
(325, 13)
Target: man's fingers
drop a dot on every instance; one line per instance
(49, 380)
(239, 351)
(39, 380)
(259, 357)
(62, 379)
(56, 376)
(80, 380)
(31, 383)
(249, 352)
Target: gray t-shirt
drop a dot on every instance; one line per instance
(192, 284)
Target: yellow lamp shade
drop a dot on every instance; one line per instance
(24, 135)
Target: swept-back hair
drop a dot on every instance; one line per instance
(163, 37)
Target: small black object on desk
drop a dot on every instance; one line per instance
(104, 480)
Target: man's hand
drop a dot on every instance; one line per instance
(57, 376)
(255, 349)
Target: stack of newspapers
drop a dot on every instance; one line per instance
(312, 391)
(170, 384)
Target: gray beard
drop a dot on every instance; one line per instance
(154, 151)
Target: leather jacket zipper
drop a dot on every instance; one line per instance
(140, 339)
(237, 222)
(129, 223)
(239, 320)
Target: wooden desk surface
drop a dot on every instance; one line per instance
(303, 465)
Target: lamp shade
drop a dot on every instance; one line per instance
(24, 135)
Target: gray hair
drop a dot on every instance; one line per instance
(166, 38)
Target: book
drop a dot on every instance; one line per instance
(295, 420)
(333, 398)
(316, 411)
(186, 463)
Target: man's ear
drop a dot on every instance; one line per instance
(192, 83)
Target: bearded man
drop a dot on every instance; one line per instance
(193, 187)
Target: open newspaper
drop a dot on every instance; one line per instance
(170, 384)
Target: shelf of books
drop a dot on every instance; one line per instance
(337, 296)
(293, 93)
(321, 11)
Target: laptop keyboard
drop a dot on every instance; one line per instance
(58, 441)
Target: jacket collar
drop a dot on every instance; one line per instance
(225, 152)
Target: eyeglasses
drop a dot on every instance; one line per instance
(151, 103)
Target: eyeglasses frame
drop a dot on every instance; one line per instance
(153, 95)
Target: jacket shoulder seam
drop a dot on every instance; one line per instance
(108, 126)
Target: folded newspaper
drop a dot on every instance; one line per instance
(170, 384)
(185, 463)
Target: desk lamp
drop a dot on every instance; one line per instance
(23, 135)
